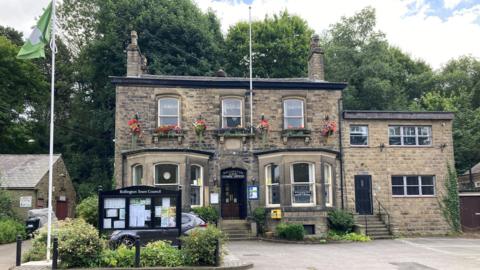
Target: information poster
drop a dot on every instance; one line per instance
(137, 215)
(214, 198)
(26, 201)
(107, 223)
(253, 192)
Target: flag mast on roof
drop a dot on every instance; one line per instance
(250, 64)
(34, 47)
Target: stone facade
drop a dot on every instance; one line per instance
(247, 156)
(410, 215)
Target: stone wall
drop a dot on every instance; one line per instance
(410, 215)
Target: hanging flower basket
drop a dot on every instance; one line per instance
(135, 129)
(329, 128)
(263, 127)
(200, 126)
(168, 131)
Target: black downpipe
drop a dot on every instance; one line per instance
(340, 119)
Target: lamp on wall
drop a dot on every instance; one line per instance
(214, 180)
(253, 180)
(442, 146)
(382, 146)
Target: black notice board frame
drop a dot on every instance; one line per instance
(142, 192)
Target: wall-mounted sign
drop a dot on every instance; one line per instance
(26, 201)
(233, 174)
(252, 192)
(214, 198)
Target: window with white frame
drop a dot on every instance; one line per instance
(166, 174)
(232, 113)
(137, 175)
(413, 185)
(328, 177)
(196, 185)
(358, 135)
(410, 135)
(293, 114)
(168, 112)
(272, 180)
(303, 183)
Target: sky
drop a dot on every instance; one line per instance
(432, 30)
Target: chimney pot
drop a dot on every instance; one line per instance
(221, 73)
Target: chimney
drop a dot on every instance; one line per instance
(136, 62)
(316, 69)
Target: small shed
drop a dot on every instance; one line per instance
(26, 179)
(470, 210)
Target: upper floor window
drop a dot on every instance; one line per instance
(410, 135)
(168, 112)
(166, 174)
(196, 185)
(272, 180)
(293, 115)
(137, 175)
(303, 183)
(328, 177)
(232, 113)
(358, 135)
(413, 185)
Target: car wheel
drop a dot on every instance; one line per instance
(128, 241)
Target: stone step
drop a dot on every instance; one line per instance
(236, 231)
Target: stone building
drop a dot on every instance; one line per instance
(303, 165)
(25, 177)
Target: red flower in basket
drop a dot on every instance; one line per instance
(263, 125)
(134, 126)
(199, 126)
(329, 128)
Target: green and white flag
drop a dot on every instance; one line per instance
(34, 47)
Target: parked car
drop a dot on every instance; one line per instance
(37, 218)
(190, 221)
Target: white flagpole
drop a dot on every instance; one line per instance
(251, 86)
(52, 112)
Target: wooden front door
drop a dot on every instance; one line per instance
(470, 212)
(233, 194)
(363, 194)
(61, 210)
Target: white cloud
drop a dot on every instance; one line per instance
(428, 37)
(450, 4)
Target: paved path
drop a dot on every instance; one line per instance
(401, 254)
(7, 254)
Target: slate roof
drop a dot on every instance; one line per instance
(23, 171)
(475, 169)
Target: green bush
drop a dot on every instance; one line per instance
(355, 237)
(122, 256)
(88, 210)
(207, 213)
(6, 204)
(290, 231)
(78, 244)
(199, 246)
(260, 217)
(161, 253)
(341, 220)
(9, 229)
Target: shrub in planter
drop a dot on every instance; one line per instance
(290, 231)
(78, 244)
(122, 256)
(199, 247)
(341, 220)
(9, 229)
(207, 213)
(260, 217)
(161, 253)
(339, 236)
(88, 210)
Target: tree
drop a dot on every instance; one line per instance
(280, 46)
(379, 76)
(11, 34)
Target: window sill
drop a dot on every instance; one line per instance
(414, 196)
(410, 146)
(303, 204)
(359, 146)
(157, 136)
(272, 205)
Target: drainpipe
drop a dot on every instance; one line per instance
(340, 118)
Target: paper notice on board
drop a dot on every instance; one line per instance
(111, 212)
(137, 215)
(107, 223)
(119, 224)
(114, 203)
(121, 214)
(158, 211)
(165, 202)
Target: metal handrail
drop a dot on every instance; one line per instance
(386, 220)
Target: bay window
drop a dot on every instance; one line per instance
(137, 174)
(272, 180)
(166, 174)
(196, 185)
(232, 113)
(303, 184)
(328, 176)
(168, 112)
(293, 114)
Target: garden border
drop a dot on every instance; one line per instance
(242, 266)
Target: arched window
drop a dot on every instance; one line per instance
(137, 175)
(168, 112)
(272, 180)
(293, 114)
(196, 185)
(328, 176)
(232, 113)
(166, 174)
(303, 184)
